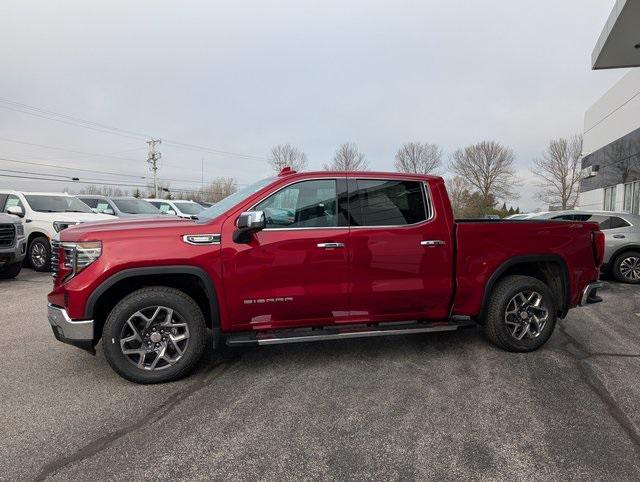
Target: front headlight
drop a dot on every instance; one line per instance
(60, 225)
(19, 230)
(77, 256)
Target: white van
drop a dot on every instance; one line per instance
(44, 215)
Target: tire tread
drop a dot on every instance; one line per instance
(197, 335)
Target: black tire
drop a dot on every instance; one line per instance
(185, 310)
(496, 327)
(626, 275)
(10, 271)
(39, 254)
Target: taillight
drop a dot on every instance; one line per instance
(598, 247)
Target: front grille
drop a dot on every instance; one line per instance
(7, 234)
(55, 258)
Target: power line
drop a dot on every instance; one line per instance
(84, 153)
(96, 126)
(94, 171)
(100, 182)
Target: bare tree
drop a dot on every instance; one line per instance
(459, 192)
(285, 155)
(419, 158)
(558, 171)
(219, 188)
(488, 167)
(103, 190)
(347, 158)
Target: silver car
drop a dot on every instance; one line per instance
(120, 206)
(622, 239)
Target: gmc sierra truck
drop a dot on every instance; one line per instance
(314, 256)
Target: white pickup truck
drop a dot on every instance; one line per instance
(44, 215)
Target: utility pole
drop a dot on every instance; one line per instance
(152, 158)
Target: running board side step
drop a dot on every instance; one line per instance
(299, 335)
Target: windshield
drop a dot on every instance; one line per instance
(135, 206)
(57, 204)
(188, 207)
(227, 203)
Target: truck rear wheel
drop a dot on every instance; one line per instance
(626, 267)
(155, 334)
(521, 314)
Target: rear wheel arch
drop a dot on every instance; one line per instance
(621, 250)
(193, 281)
(550, 269)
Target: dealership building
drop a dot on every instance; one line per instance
(611, 150)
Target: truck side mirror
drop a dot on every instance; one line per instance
(248, 223)
(109, 211)
(15, 211)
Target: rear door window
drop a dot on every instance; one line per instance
(387, 203)
(613, 222)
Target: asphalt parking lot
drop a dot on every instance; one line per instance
(441, 406)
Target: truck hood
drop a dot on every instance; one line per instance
(117, 226)
(75, 217)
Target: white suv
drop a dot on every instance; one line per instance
(45, 214)
(184, 209)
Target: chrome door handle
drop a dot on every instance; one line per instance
(432, 242)
(330, 245)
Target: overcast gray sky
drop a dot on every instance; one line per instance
(241, 76)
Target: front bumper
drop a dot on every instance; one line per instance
(590, 294)
(15, 254)
(78, 333)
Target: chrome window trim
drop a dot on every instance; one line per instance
(426, 195)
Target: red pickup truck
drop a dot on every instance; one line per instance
(314, 256)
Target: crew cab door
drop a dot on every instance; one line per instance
(295, 271)
(401, 251)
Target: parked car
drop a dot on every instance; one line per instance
(45, 214)
(13, 246)
(184, 209)
(622, 240)
(363, 253)
(120, 206)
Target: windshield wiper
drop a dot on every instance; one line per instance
(73, 211)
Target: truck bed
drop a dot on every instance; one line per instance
(486, 248)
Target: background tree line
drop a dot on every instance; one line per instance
(482, 178)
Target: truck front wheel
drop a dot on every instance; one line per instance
(521, 314)
(155, 334)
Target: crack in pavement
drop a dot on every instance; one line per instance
(159, 413)
(594, 383)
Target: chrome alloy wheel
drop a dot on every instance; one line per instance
(630, 268)
(38, 255)
(154, 338)
(526, 315)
